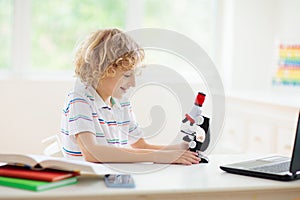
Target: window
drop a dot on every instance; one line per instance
(5, 33)
(193, 18)
(58, 24)
(50, 29)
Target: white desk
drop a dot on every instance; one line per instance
(203, 181)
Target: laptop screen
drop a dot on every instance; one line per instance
(295, 164)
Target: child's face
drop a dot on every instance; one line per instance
(118, 85)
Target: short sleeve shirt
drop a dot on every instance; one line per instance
(85, 111)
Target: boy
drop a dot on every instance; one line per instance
(97, 125)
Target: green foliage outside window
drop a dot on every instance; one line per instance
(57, 25)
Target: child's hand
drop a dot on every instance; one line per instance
(178, 157)
(187, 158)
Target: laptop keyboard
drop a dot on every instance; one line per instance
(276, 168)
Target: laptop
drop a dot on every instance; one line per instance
(273, 167)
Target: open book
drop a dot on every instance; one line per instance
(35, 161)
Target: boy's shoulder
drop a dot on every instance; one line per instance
(81, 91)
(80, 95)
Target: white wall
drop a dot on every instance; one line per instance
(30, 112)
(288, 20)
(257, 26)
(253, 43)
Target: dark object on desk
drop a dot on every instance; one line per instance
(119, 181)
(203, 158)
(275, 167)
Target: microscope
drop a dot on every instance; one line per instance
(195, 128)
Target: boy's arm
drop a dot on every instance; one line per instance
(101, 153)
(142, 144)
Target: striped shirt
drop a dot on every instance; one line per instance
(85, 111)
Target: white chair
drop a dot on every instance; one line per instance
(54, 146)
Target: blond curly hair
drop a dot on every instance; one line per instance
(102, 52)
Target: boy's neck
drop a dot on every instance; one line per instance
(105, 98)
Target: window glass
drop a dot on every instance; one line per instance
(57, 25)
(192, 18)
(5, 33)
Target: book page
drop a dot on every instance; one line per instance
(18, 159)
(76, 165)
(56, 163)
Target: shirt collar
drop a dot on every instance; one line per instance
(115, 103)
(100, 104)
